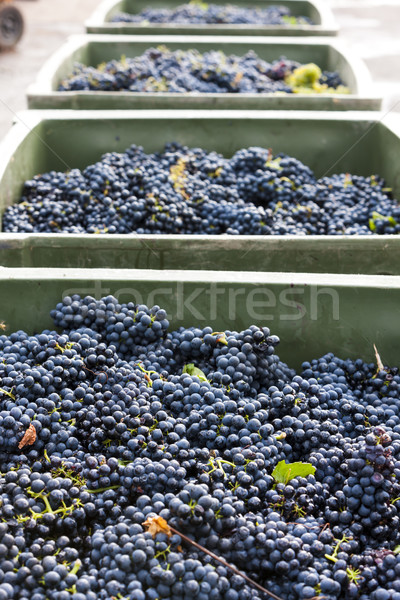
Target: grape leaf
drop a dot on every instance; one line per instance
(199, 3)
(289, 20)
(284, 472)
(378, 217)
(190, 369)
(396, 550)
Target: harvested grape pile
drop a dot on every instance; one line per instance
(182, 71)
(214, 14)
(121, 442)
(191, 191)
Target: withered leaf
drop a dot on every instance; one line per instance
(237, 78)
(157, 525)
(29, 437)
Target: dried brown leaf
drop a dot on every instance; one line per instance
(29, 437)
(237, 78)
(157, 525)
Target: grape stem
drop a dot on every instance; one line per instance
(378, 360)
(223, 562)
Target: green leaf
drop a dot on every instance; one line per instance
(199, 3)
(273, 163)
(396, 550)
(284, 472)
(304, 77)
(289, 20)
(347, 180)
(190, 369)
(378, 217)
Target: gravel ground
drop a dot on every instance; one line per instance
(370, 27)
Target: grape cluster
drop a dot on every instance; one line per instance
(112, 420)
(182, 71)
(198, 12)
(191, 191)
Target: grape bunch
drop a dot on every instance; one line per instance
(143, 463)
(214, 14)
(189, 71)
(185, 190)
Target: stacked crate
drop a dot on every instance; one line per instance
(319, 294)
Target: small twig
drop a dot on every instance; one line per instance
(323, 529)
(94, 373)
(227, 565)
(378, 360)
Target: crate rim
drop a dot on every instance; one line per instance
(357, 281)
(146, 239)
(25, 121)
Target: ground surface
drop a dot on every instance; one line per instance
(48, 23)
(370, 27)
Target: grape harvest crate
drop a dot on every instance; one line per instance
(93, 50)
(316, 10)
(312, 313)
(361, 143)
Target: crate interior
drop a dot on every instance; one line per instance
(332, 145)
(94, 53)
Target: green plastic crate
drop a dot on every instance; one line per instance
(312, 313)
(92, 50)
(360, 143)
(317, 10)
